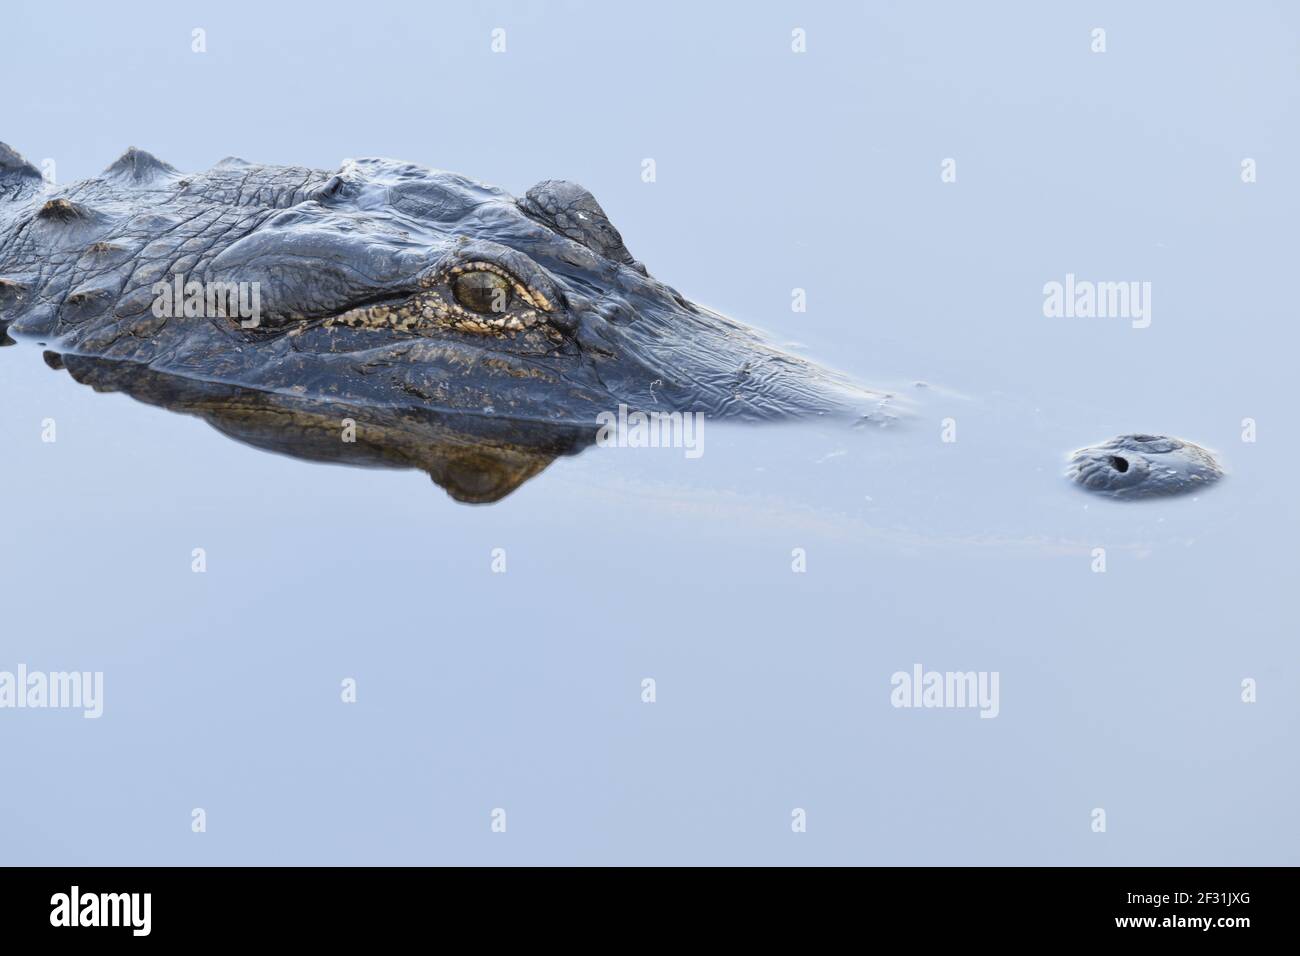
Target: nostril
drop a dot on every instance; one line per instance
(1125, 467)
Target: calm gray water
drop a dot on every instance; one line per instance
(523, 690)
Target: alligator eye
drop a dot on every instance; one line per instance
(482, 291)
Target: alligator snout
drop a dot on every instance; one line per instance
(1143, 466)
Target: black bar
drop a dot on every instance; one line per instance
(1161, 905)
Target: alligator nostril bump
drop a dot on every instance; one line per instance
(1144, 466)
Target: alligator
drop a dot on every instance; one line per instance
(415, 301)
(459, 329)
(382, 283)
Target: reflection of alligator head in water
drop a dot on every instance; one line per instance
(475, 459)
(383, 285)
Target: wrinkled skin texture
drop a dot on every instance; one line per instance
(362, 277)
(1143, 466)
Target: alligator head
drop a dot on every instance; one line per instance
(383, 285)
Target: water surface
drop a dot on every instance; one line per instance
(522, 690)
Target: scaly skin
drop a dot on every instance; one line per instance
(364, 277)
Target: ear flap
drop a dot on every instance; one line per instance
(573, 212)
(18, 178)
